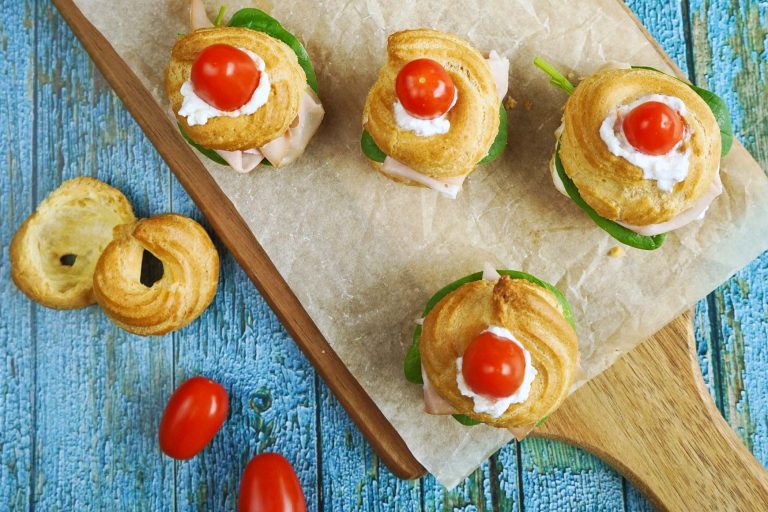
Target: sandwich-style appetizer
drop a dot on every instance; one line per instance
(435, 113)
(639, 151)
(495, 347)
(243, 94)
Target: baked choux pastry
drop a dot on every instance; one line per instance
(245, 93)
(189, 279)
(435, 112)
(495, 348)
(639, 151)
(54, 252)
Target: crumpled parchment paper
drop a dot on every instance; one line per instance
(364, 254)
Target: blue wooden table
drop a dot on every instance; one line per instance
(80, 400)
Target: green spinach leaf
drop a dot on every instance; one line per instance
(465, 420)
(370, 149)
(260, 21)
(500, 142)
(620, 233)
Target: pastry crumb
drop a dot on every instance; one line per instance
(510, 103)
(616, 252)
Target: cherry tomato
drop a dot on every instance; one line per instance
(653, 128)
(269, 484)
(492, 366)
(425, 89)
(192, 417)
(225, 77)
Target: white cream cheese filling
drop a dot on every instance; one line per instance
(495, 407)
(422, 127)
(440, 125)
(667, 169)
(198, 111)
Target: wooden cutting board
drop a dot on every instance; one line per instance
(649, 415)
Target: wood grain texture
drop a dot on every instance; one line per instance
(663, 453)
(98, 390)
(730, 46)
(17, 345)
(240, 343)
(102, 452)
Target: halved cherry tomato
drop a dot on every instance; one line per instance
(425, 89)
(192, 417)
(653, 128)
(225, 76)
(493, 366)
(269, 484)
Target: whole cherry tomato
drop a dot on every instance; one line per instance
(269, 484)
(224, 76)
(653, 128)
(192, 417)
(493, 366)
(425, 89)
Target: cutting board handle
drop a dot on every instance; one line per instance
(651, 417)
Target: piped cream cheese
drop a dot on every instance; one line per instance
(667, 169)
(440, 125)
(198, 111)
(495, 407)
(422, 127)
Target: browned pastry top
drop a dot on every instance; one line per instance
(610, 184)
(248, 131)
(532, 314)
(474, 118)
(187, 286)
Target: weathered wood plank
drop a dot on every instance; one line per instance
(17, 345)
(99, 390)
(239, 342)
(473, 494)
(556, 476)
(111, 359)
(729, 41)
(351, 476)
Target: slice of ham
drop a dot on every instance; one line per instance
(490, 273)
(242, 161)
(197, 16)
(695, 212)
(433, 402)
(449, 187)
(286, 149)
(500, 71)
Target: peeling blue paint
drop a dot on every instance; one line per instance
(82, 399)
